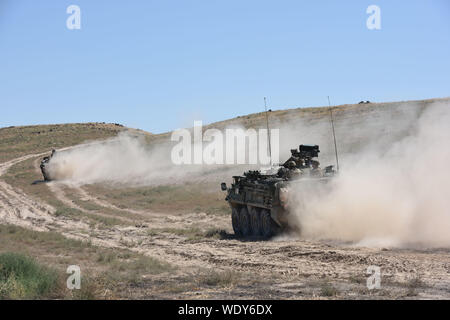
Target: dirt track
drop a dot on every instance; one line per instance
(288, 267)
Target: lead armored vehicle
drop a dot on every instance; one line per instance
(259, 201)
(44, 166)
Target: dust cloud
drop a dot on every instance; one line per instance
(387, 194)
(393, 188)
(125, 159)
(128, 160)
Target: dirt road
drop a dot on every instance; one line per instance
(286, 267)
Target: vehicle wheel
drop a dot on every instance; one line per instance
(267, 225)
(235, 221)
(255, 221)
(244, 222)
(44, 174)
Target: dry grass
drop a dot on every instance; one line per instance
(327, 290)
(102, 270)
(220, 278)
(413, 285)
(21, 277)
(18, 141)
(187, 198)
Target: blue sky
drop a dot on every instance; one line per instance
(158, 65)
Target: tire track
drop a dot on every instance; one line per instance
(19, 209)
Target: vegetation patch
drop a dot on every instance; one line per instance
(327, 290)
(220, 278)
(413, 284)
(190, 197)
(105, 272)
(21, 277)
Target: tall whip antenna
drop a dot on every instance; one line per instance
(334, 135)
(268, 132)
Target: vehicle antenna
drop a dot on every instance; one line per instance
(334, 134)
(268, 131)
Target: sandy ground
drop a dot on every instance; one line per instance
(287, 267)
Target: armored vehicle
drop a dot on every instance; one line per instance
(44, 166)
(259, 200)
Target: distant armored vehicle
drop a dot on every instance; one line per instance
(259, 200)
(44, 165)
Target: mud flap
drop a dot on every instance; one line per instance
(274, 216)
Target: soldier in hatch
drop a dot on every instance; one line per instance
(315, 170)
(294, 171)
